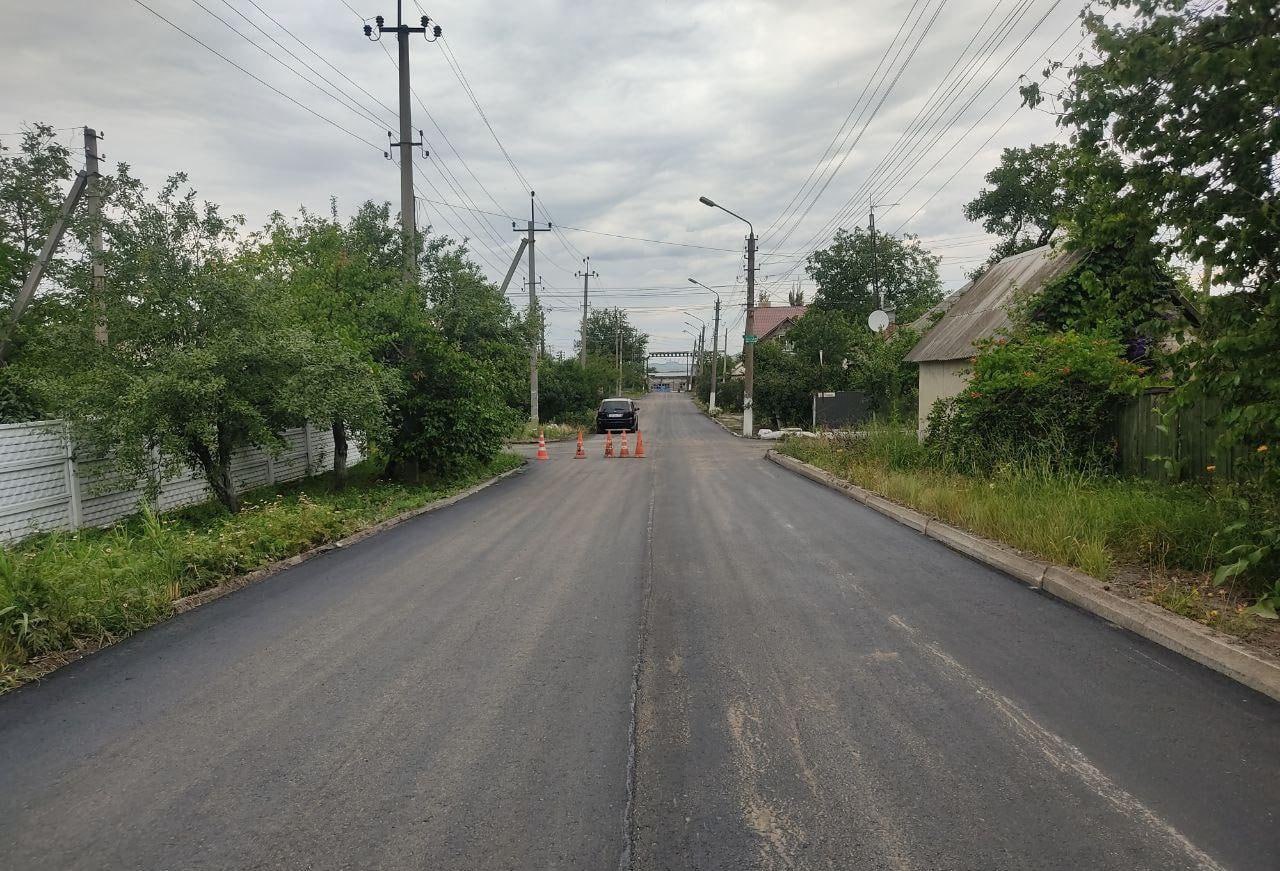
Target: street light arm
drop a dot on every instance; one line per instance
(705, 287)
(715, 205)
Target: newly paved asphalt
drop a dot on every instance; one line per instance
(696, 660)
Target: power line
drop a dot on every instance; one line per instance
(901, 69)
(822, 233)
(932, 110)
(827, 151)
(259, 80)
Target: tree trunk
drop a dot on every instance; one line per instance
(218, 476)
(339, 454)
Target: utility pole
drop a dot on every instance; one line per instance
(585, 274)
(749, 340)
(875, 284)
(702, 356)
(533, 309)
(875, 278)
(408, 222)
(94, 198)
(617, 344)
(715, 353)
(28, 290)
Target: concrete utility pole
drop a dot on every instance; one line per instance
(875, 284)
(749, 339)
(875, 278)
(715, 353)
(28, 290)
(408, 212)
(715, 341)
(748, 335)
(533, 309)
(91, 138)
(585, 274)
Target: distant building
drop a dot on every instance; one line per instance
(773, 321)
(979, 310)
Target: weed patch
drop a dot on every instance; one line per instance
(1103, 526)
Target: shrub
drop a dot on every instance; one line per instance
(451, 418)
(1042, 397)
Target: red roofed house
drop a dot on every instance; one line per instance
(773, 321)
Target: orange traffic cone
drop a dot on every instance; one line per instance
(608, 443)
(623, 452)
(581, 454)
(639, 446)
(542, 446)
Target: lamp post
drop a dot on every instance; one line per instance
(748, 337)
(715, 343)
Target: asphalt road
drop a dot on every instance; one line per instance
(697, 660)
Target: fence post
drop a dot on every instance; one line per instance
(75, 505)
(271, 469)
(306, 442)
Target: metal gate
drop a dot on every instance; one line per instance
(840, 409)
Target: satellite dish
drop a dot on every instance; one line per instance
(878, 320)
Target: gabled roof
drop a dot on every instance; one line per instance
(981, 309)
(770, 317)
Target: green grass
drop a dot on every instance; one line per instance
(1096, 524)
(60, 591)
(554, 432)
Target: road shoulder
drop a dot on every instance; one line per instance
(1213, 649)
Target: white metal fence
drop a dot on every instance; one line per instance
(44, 486)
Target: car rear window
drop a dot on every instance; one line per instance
(616, 405)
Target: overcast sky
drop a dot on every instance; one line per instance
(618, 114)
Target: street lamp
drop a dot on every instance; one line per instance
(748, 337)
(715, 343)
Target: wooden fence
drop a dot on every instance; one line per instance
(1173, 445)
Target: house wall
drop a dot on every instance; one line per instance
(938, 379)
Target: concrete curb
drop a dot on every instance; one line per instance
(1210, 648)
(720, 423)
(35, 671)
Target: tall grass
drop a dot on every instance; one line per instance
(1091, 522)
(59, 591)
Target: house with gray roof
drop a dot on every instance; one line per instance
(979, 310)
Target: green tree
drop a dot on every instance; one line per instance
(906, 274)
(469, 311)
(1026, 200)
(204, 359)
(452, 417)
(827, 350)
(344, 287)
(608, 330)
(1187, 93)
(33, 183)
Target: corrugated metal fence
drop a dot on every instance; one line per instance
(1172, 446)
(44, 486)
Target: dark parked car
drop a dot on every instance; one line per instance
(617, 414)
